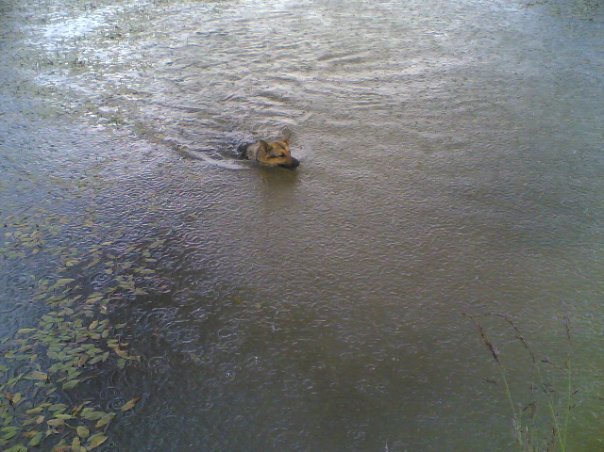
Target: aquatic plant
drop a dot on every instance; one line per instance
(51, 361)
(527, 435)
(50, 368)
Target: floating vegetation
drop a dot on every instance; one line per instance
(50, 369)
(70, 345)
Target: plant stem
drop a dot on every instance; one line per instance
(568, 404)
(550, 404)
(508, 393)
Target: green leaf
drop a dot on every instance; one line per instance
(91, 415)
(130, 404)
(36, 440)
(37, 375)
(99, 358)
(83, 431)
(57, 407)
(72, 262)
(26, 330)
(17, 448)
(94, 297)
(71, 383)
(63, 281)
(105, 420)
(35, 410)
(92, 263)
(56, 422)
(9, 432)
(145, 271)
(17, 398)
(95, 441)
(61, 446)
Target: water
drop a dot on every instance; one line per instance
(451, 167)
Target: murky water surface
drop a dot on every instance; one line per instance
(452, 164)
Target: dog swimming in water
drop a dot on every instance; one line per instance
(275, 153)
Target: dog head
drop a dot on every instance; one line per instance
(276, 154)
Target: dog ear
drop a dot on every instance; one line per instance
(286, 141)
(264, 146)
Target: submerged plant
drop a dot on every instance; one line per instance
(526, 433)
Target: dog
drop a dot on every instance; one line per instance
(270, 154)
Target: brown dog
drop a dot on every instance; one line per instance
(271, 154)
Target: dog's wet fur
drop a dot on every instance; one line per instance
(275, 153)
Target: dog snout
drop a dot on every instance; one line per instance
(293, 164)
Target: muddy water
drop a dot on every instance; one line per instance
(451, 167)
